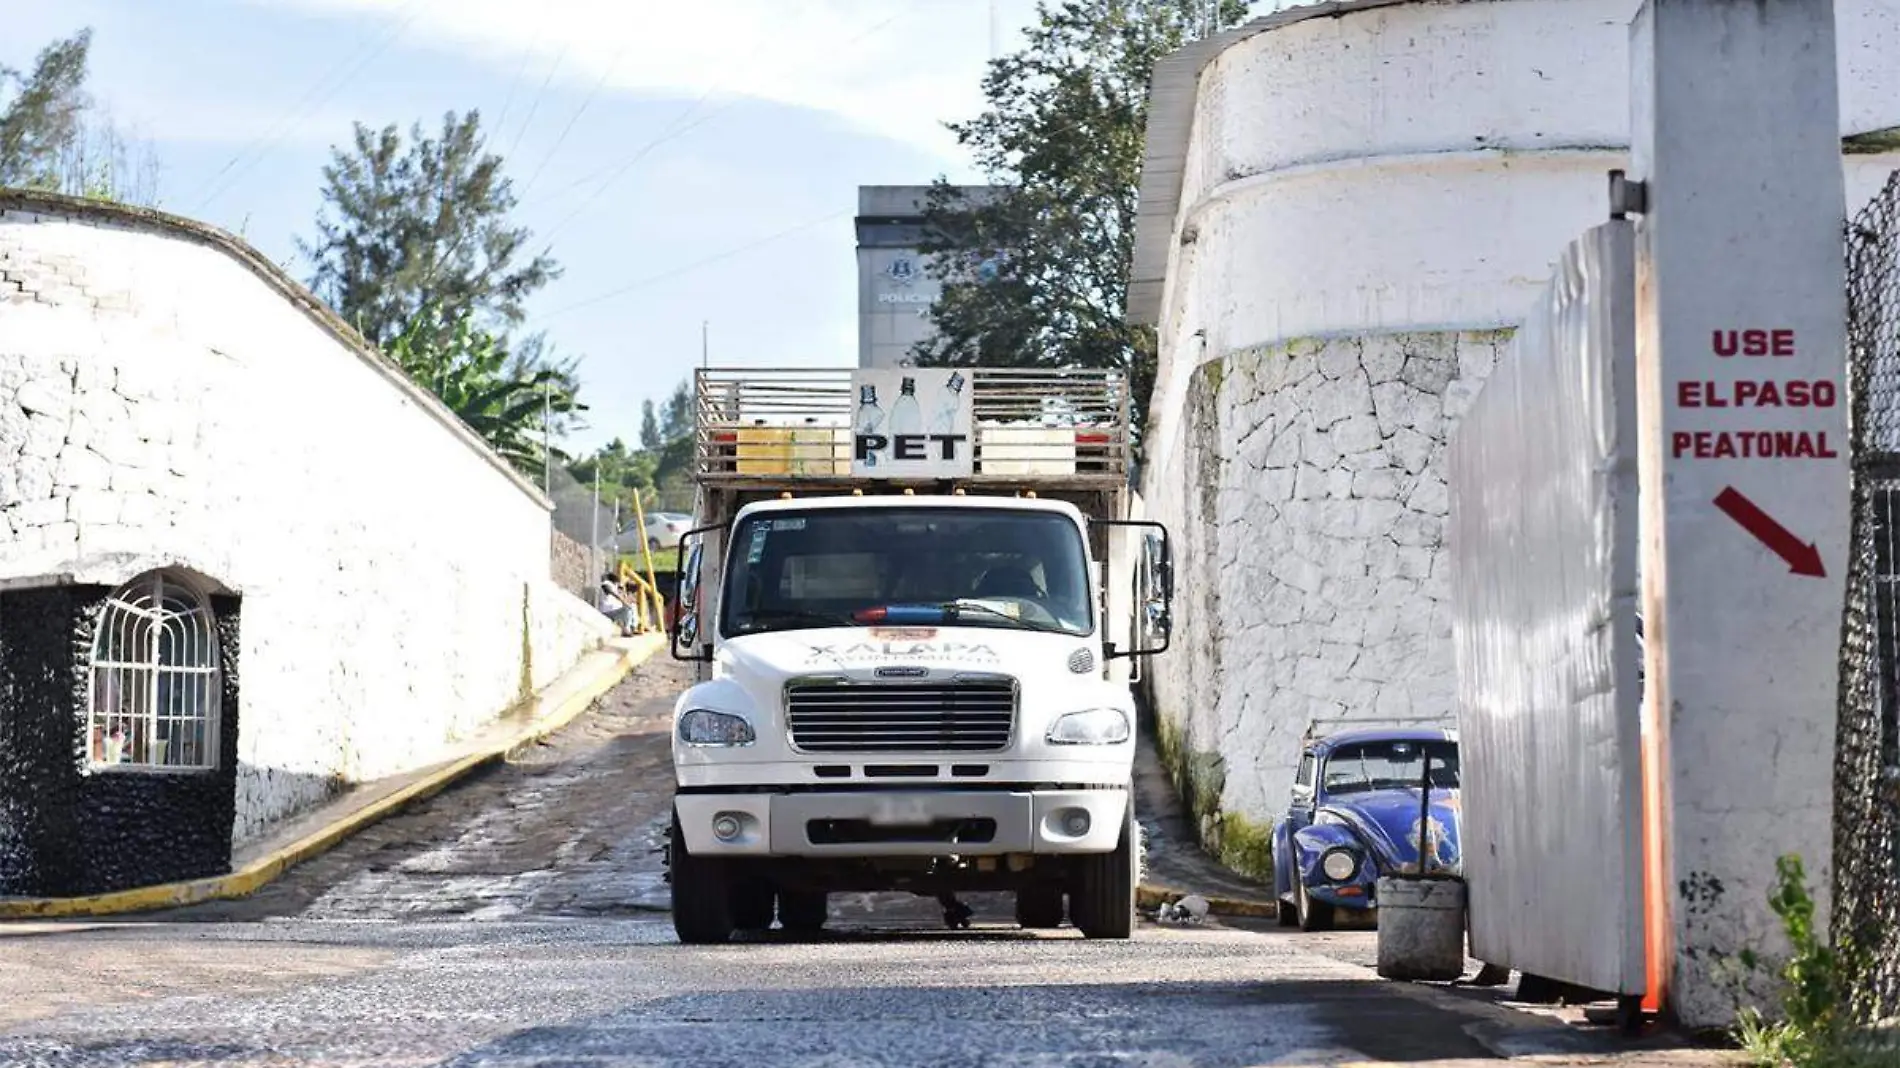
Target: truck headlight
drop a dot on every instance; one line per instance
(1097, 726)
(701, 726)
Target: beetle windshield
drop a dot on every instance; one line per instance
(839, 567)
(1390, 765)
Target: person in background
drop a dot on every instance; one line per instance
(614, 605)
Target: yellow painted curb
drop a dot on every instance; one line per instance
(248, 879)
(1149, 896)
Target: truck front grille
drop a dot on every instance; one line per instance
(972, 716)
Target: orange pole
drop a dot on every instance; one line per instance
(1658, 933)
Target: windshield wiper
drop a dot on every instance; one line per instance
(761, 621)
(953, 609)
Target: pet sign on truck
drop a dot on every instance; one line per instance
(914, 605)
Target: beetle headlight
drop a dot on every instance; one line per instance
(1097, 726)
(701, 726)
(1339, 865)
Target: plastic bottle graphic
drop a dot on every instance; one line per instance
(869, 418)
(906, 416)
(945, 419)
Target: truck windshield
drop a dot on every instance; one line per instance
(993, 567)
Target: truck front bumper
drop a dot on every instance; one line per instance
(903, 823)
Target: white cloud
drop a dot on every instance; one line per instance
(897, 68)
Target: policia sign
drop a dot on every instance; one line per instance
(912, 422)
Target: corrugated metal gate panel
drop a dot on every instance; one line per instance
(1543, 545)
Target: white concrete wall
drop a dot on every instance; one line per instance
(1355, 187)
(163, 403)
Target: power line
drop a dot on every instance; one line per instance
(697, 264)
(315, 97)
(535, 104)
(514, 85)
(576, 117)
(695, 106)
(677, 130)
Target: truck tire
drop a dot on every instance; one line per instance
(1102, 900)
(751, 902)
(1039, 907)
(803, 912)
(702, 904)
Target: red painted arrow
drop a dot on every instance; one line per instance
(1803, 558)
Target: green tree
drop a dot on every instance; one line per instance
(422, 225)
(650, 438)
(54, 137)
(677, 420)
(1035, 272)
(660, 470)
(476, 376)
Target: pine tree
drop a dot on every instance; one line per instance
(422, 225)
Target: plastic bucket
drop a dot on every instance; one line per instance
(1421, 928)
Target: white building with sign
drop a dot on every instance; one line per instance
(895, 290)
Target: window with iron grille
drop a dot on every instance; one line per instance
(155, 694)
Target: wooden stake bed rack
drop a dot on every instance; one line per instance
(1048, 430)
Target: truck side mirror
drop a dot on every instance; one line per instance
(683, 633)
(1154, 584)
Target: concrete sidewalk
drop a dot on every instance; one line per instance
(301, 838)
(1175, 865)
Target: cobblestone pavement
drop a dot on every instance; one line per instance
(516, 919)
(568, 827)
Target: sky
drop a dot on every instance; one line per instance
(686, 163)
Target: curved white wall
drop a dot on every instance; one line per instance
(165, 405)
(1368, 191)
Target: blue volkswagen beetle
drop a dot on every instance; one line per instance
(1354, 816)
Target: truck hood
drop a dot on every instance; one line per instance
(920, 652)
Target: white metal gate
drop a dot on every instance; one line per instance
(1544, 552)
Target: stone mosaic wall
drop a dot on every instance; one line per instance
(64, 830)
(1307, 496)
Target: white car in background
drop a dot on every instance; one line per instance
(663, 531)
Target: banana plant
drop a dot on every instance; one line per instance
(470, 370)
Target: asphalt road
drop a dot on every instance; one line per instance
(518, 920)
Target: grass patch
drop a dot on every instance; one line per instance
(665, 561)
(1246, 847)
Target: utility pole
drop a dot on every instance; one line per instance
(996, 47)
(593, 547)
(705, 346)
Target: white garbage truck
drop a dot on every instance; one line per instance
(915, 605)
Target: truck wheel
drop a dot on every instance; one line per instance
(751, 904)
(1039, 907)
(802, 912)
(1102, 901)
(702, 907)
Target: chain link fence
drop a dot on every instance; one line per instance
(1866, 891)
(584, 533)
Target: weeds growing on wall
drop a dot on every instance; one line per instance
(1816, 1027)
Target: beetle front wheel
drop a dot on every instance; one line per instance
(1313, 915)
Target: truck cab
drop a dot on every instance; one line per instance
(913, 665)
